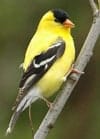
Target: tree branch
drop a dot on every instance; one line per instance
(94, 7)
(80, 64)
(99, 4)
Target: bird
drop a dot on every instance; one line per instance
(47, 63)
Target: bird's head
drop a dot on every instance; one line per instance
(55, 18)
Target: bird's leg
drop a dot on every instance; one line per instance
(30, 119)
(77, 71)
(49, 104)
(72, 70)
(68, 73)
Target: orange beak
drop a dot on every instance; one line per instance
(68, 23)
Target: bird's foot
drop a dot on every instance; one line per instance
(49, 104)
(72, 70)
(77, 71)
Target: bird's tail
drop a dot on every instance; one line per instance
(31, 97)
(12, 122)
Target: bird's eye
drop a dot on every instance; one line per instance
(56, 20)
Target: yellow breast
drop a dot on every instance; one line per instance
(53, 79)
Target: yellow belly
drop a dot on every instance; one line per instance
(53, 79)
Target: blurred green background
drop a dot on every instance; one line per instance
(80, 118)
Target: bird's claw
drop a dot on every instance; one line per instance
(77, 71)
(49, 104)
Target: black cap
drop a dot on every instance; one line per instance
(60, 15)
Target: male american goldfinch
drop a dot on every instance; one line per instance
(47, 62)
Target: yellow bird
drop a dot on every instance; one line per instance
(48, 60)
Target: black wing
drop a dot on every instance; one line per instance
(41, 64)
(38, 67)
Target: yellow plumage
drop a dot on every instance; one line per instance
(48, 60)
(47, 33)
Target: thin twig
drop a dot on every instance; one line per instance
(62, 97)
(94, 7)
(99, 4)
